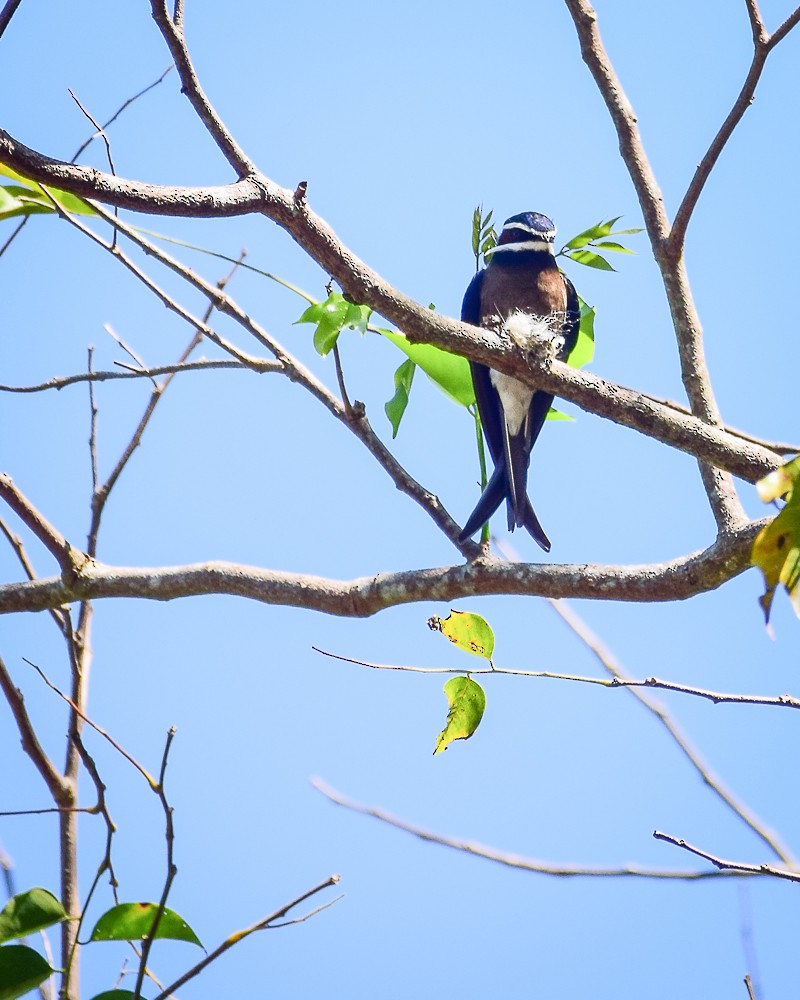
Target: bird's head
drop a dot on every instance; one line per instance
(528, 231)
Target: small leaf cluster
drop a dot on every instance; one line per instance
(484, 235)
(22, 969)
(596, 236)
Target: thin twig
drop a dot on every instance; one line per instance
(717, 697)
(16, 544)
(235, 938)
(172, 871)
(125, 104)
(711, 780)
(740, 867)
(98, 729)
(258, 365)
(92, 422)
(505, 858)
(763, 44)
(30, 741)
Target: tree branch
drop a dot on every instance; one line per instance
(173, 34)
(720, 490)
(712, 781)
(668, 581)
(738, 867)
(591, 393)
(763, 44)
(504, 858)
(69, 559)
(30, 742)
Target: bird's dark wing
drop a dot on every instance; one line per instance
(489, 408)
(573, 320)
(471, 306)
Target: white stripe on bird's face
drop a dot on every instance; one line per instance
(541, 245)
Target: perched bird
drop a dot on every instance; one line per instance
(522, 292)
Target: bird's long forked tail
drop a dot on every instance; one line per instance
(497, 490)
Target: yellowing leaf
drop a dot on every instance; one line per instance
(780, 482)
(776, 549)
(467, 703)
(468, 631)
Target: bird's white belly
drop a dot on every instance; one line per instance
(515, 398)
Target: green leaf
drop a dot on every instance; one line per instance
(396, 406)
(71, 202)
(610, 245)
(33, 199)
(21, 969)
(331, 317)
(25, 202)
(12, 174)
(583, 351)
(115, 995)
(596, 232)
(776, 548)
(9, 205)
(357, 317)
(468, 631)
(29, 912)
(467, 704)
(591, 260)
(450, 372)
(133, 921)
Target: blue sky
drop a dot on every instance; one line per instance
(402, 119)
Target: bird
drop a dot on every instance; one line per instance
(521, 291)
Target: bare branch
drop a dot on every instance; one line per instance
(235, 938)
(172, 32)
(763, 44)
(505, 858)
(717, 697)
(30, 742)
(16, 544)
(675, 580)
(69, 559)
(720, 490)
(98, 729)
(710, 779)
(125, 104)
(258, 365)
(738, 867)
(8, 11)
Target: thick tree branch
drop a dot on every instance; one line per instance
(669, 581)
(707, 443)
(719, 488)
